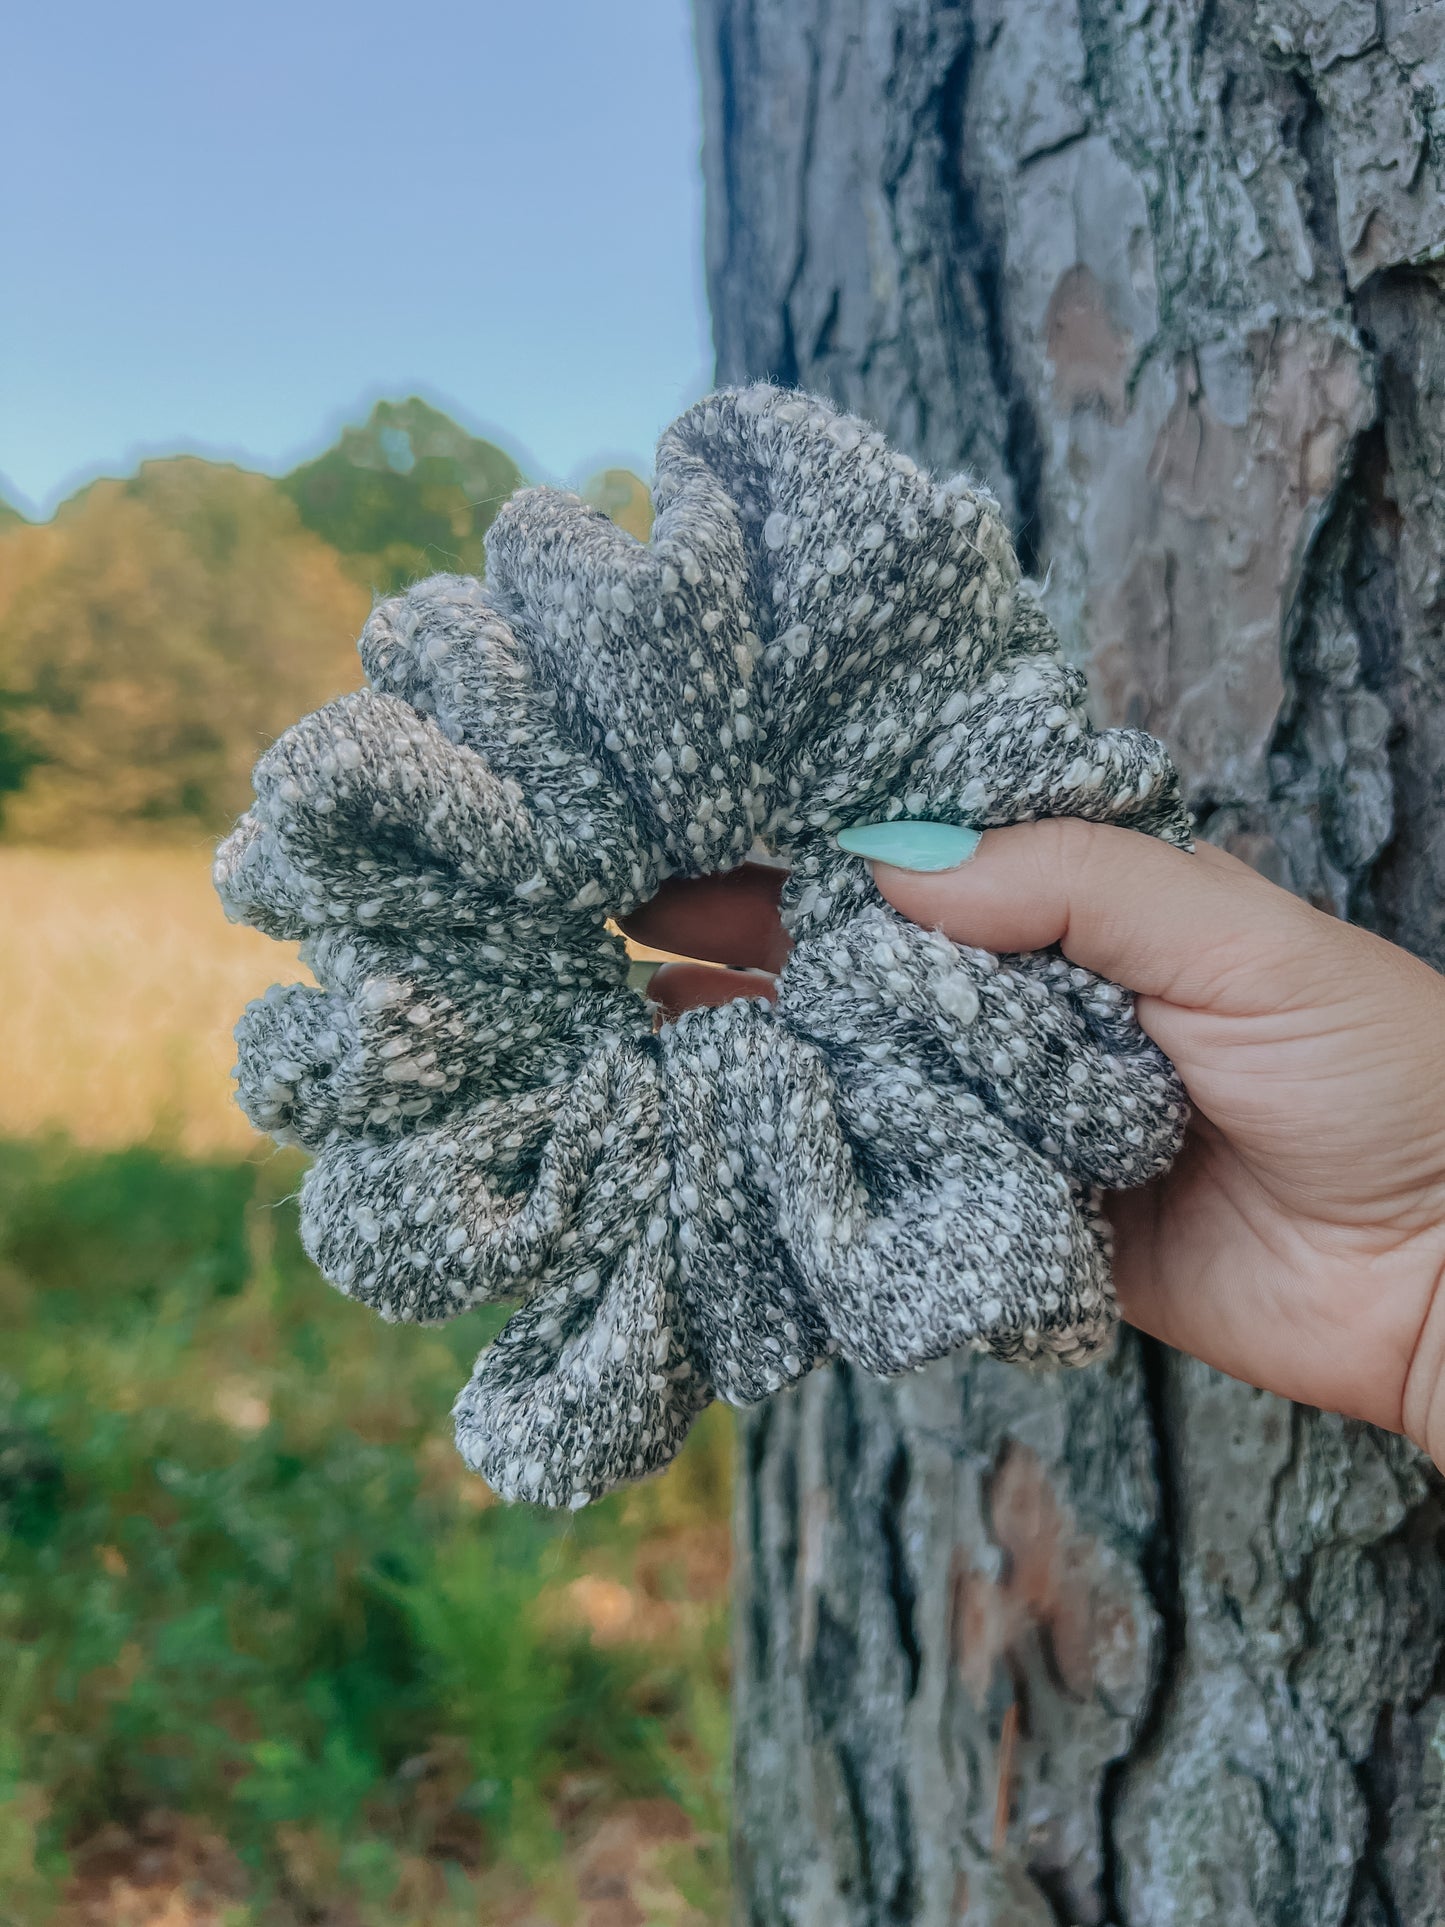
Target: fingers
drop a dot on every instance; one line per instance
(1197, 930)
(730, 919)
(677, 987)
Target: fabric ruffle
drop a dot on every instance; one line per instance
(901, 1157)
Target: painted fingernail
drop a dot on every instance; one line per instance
(911, 846)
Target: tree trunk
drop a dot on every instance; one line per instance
(1135, 1645)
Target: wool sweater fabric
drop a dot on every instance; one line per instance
(902, 1156)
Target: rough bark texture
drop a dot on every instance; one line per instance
(1137, 1645)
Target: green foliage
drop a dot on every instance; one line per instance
(28, 1888)
(18, 754)
(133, 1218)
(243, 1577)
(555, 1704)
(406, 495)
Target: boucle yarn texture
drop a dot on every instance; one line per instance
(901, 1157)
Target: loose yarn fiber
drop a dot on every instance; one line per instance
(901, 1157)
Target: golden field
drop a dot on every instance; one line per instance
(121, 983)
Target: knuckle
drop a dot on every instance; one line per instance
(1069, 851)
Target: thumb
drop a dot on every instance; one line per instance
(1193, 929)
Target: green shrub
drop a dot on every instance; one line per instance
(243, 1578)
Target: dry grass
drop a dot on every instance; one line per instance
(120, 981)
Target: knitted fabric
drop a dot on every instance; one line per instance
(901, 1157)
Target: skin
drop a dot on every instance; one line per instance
(1299, 1241)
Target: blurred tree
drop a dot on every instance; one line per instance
(1137, 1645)
(405, 496)
(153, 638)
(157, 633)
(18, 754)
(624, 497)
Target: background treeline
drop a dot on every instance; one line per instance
(158, 632)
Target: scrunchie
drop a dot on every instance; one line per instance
(902, 1156)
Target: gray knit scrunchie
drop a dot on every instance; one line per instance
(901, 1157)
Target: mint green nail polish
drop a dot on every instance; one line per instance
(911, 846)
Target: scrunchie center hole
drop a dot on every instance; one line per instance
(711, 939)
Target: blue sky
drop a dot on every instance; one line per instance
(230, 228)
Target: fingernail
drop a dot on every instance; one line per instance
(911, 846)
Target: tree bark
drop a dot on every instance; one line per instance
(1136, 1645)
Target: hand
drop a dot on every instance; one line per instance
(1299, 1241)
